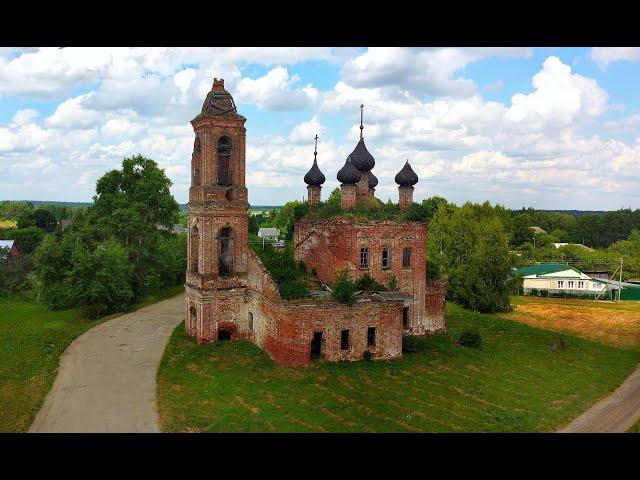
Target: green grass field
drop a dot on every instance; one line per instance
(516, 382)
(31, 341)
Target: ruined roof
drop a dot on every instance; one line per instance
(314, 176)
(349, 174)
(391, 296)
(219, 101)
(361, 157)
(406, 176)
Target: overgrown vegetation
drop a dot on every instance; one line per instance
(344, 289)
(289, 275)
(366, 283)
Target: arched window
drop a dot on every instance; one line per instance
(224, 161)
(195, 248)
(225, 255)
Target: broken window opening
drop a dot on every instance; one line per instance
(344, 340)
(371, 337)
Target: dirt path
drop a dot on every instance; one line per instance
(107, 377)
(616, 413)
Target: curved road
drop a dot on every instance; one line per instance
(616, 413)
(107, 377)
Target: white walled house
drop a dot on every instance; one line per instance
(558, 278)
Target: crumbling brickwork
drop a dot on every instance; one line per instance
(313, 194)
(405, 197)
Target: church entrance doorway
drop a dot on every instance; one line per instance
(224, 334)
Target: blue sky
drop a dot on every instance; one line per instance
(541, 127)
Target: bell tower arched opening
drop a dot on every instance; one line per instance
(225, 252)
(224, 161)
(194, 248)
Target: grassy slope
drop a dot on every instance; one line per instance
(516, 382)
(31, 341)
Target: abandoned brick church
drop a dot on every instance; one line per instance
(230, 294)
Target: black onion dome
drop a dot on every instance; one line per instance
(219, 101)
(373, 181)
(361, 157)
(406, 177)
(349, 174)
(314, 176)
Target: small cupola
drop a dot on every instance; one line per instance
(314, 176)
(406, 177)
(314, 179)
(360, 156)
(349, 174)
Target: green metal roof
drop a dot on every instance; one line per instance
(541, 269)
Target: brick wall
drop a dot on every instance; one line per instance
(348, 196)
(313, 194)
(405, 197)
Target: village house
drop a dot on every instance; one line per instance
(269, 235)
(231, 295)
(558, 278)
(8, 248)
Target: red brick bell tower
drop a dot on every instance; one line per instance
(218, 225)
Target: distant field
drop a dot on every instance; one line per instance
(518, 381)
(616, 324)
(7, 223)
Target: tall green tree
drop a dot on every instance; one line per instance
(471, 247)
(520, 231)
(129, 205)
(99, 280)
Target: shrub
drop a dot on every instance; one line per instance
(281, 264)
(367, 355)
(368, 284)
(294, 289)
(470, 339)
(533, 292)
(544, 293)
(343, 288)
(393, 283)
(409, 344)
